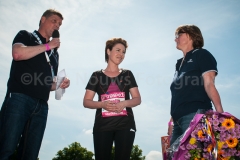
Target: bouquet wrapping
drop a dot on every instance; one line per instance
(210, 136)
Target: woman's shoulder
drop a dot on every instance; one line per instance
(126, 71)
(98, 71)
(202, 51)
(203, 54)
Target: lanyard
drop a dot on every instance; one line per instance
(47, 57)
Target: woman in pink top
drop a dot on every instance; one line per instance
(114, 120)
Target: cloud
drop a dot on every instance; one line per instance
(229, 83)
(154, 155)
(45, 144)
(63, 137)
(66, 111)
(87, 131)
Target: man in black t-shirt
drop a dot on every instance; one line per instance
(34, 66)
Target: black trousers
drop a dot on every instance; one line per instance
(123, 141)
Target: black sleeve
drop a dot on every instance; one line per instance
(131, 80)
(22, 37)
(92, 83)
(206, 61)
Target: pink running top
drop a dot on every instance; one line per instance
(113, 87)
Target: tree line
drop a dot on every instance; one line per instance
(76, 152)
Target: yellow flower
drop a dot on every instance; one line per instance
(209, 148)
(224, 158)
(232, 142)
(220, 153)
(220, 144)
(192, 141)
(201, 135)
(208, 130)
(228, 123)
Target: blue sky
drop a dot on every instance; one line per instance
(148, 27)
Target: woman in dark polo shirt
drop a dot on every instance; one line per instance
(193, 84)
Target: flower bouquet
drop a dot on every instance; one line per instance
(213, 136)
(200, 145)
(182, 148)
(226, 129)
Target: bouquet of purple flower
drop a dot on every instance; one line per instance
(226, 129)
(213, 136)
(201, 142)
(197, 142)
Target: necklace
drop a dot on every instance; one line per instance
(120, 70)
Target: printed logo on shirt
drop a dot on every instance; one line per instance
(190, 60)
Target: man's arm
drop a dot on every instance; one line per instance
(22, 52)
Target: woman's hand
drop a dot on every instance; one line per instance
(170, 129)
(109, 106)
(120, 106)
(136, 100)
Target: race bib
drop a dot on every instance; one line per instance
(114, 97)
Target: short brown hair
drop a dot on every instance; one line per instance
(111, 43)
(194, 32)
(51, 12)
